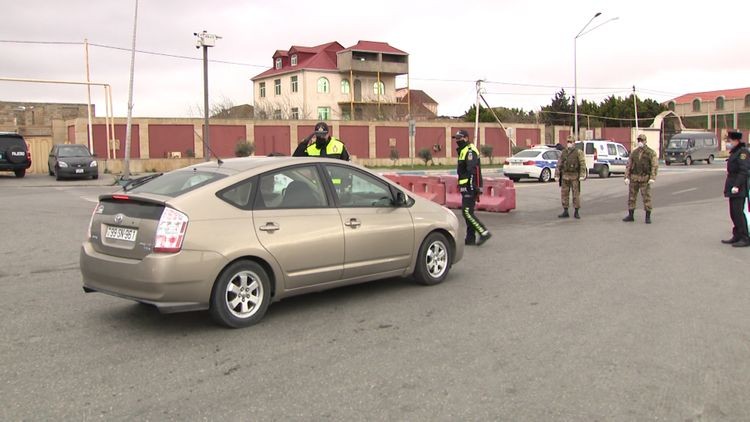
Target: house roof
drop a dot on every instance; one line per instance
(417, 96)
(375, 47)
(321, 57)
(728, 94)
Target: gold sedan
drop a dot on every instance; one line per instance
(233, 236)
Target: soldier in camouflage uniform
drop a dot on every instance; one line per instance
(571, 171)
(640, 174)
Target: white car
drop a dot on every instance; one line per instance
(536, 163)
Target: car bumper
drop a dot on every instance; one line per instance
(171, 282)
(522, 172)
(78, 172)
(14, 167)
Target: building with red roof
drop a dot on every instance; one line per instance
(330, 82)
(714, 110)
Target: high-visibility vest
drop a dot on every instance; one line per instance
(334, 148)
(462, 157)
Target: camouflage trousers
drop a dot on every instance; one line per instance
(565, 187)
(645, 190)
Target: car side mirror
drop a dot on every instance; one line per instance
(401, 199)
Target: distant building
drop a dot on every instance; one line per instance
(242, 111)
(330, 82)
(40, 119)
(714, 110)
(423, 107)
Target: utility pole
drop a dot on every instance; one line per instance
(476, 117)
(88, 97)
(129, 125)
(206, 40)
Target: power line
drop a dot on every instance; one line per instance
(594, 116)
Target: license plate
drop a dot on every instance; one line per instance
(121, 233)
(79, 170)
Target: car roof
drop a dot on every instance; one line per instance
(686, 135)
(242, 164)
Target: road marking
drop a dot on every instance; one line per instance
(684, 191)
(89, 199)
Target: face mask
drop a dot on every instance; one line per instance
(461, 143)
(640, 144)
(571, 145)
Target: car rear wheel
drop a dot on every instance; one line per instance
(710, 159)
(667, 163)
(546, 175)
(434, 260)
(689, 161)
(604, 172)
(16, 155)
(241, 295)
(20, 173)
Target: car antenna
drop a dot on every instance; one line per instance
(218, 160)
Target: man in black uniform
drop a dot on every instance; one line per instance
(324, 145)
(470, 185)
(735, 188)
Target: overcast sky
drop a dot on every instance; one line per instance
(665, 48)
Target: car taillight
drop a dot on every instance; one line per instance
(596, 155)
(98, 209)
(171, 231)
(28, 155)
(507, 163)
(529, 163)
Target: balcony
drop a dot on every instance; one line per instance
(370, 62)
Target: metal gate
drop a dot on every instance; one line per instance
(40, 147)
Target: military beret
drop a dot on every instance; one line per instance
(736, 135)
(641, 137)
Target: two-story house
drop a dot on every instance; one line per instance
(330, 82)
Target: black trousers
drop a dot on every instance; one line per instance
(737, 213)
(473, 225)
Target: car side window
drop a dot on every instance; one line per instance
(239, 194)
(611, 149)
(622, 151)
(294, 187)
(357, 189)
(590, 148)
(549, 155)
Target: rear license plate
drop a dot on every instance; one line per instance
(120, 233)
(79, 170)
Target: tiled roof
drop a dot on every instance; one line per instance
(417, 96)
(728, 94)
(321, 57)
(375, 46)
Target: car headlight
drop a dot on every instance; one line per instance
(62, 164)
(93, 164)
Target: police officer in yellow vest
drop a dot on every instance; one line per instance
(470, 185)
(323, 145)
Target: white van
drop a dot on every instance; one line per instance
(604, 157)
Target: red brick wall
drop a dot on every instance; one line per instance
(224, 138)
(100, 141)
(497, 137)
(382, 136)
(272, 139)
(163, 139)
(529, 137)
(427, 137)
(356, 139)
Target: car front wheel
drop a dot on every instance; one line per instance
(241, 295)
(434, 260)
(546, 175)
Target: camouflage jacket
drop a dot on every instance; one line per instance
(642, 165)
(571, 164)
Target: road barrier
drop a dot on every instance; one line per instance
(499, 193)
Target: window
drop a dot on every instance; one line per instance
(590, 148)
(671, 106)
(378, 88)
(278, 63)
(294, 84)
(262, 87)
(277, 86)
(550, 155)
(345, 89)
(323, 86)
(622, 151)
(295, 113)
(611, 149)
(747, 100)
(697, 104)
(356, 189)
(720, 103)
(296, 187)
(239, 194)
(277, 114)
(176, 183)
(324, 113)
(294, 60)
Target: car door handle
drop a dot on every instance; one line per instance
(353, 223)
(269, 227)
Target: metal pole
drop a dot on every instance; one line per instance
(206, 135)
(88, 96)
(635, 106)
(106, 118)
(476, 117)
(111, 120)
(128, 127)
(575, 88)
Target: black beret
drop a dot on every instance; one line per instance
(736, 135)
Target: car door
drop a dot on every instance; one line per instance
(622, 159)
(550, 160)
(378, 235)
(296, 222)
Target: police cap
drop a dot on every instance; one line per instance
(734, 134)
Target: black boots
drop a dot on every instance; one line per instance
(564, 214)
(576, 215)
(629, 218)
(742, 243)
(731, 241)
(648, 217)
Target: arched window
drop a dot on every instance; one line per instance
(747, 100)
(697, 104)
(345, 88)
(720, 103)
(378, 88)
(671, 106)
(324, 87)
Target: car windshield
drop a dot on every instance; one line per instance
(177, 183)
(527, 154)
(678, 143)
(77, 151)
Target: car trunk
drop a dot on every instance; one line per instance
(125, 226)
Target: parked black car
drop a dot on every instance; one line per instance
(14, 154)
(72, 160)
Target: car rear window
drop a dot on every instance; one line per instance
(177, 183)
(11, 141)
(527, 154)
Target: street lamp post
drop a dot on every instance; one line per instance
(205, 40)
(581, 33)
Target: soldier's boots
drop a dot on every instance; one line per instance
(630, 217)
(576, 215)
(648, 217)
(742, 243)
(731, 241)
(564, 214)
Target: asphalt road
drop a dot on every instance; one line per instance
(551, 320)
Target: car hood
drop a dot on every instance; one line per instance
(76, 160)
